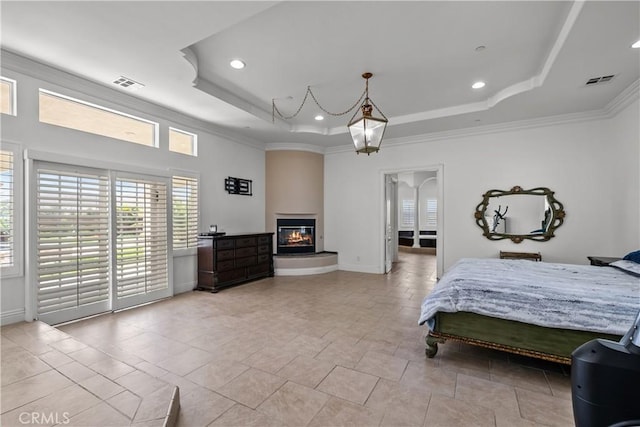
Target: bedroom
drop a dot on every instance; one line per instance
(591, 159)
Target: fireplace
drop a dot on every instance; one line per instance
(296, 236)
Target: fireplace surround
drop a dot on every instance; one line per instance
(296, 235)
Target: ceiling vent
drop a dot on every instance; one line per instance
(598, 80)
(127, 83)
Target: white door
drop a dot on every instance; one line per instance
(142, 241)
(72, 242)
(391, 222)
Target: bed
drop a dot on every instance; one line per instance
(537, 309)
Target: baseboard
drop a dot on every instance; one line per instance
(305, 271)
(361, 268)
(12, 316)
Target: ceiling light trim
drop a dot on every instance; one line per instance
(255, 106)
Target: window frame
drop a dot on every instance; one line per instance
(17, 268)
(156, 126)
(14, 95)
(194, 137)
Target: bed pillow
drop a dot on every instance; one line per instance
(628, 266)
(633, 256)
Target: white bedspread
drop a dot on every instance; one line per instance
(567, 296)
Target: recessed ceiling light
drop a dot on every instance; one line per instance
(237, 64)
(636, 45)
(319, 117)
(478, 85)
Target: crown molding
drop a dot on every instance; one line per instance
(623, 100)
(47, 73)
(615, 106)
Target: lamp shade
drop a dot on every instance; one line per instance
(367, 132)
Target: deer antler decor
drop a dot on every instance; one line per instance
(497, 216)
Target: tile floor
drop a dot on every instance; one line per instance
(335, 349)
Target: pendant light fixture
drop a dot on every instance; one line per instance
(366, 130)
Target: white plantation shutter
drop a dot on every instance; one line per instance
(72, 239)
(431, 212)
(7, 209)
(184, 198)
(141, 237)
(408, 212)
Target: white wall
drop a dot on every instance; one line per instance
(591, 165)
(218, 157)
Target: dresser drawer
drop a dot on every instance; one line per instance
(226, 254)
(263, 258)
(242, 252)
(264, 249)
(226, 265)
(243, 242)
(225, 244)
(228, 276)
(263, 240)
(245, 262)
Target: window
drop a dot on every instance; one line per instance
(7, 96)
(72, 241)
(408, 212)
(141, 237)
(185, 212)
(183, 142)
(431, 206)
(71, 113)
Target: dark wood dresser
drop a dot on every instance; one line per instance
(232, 259)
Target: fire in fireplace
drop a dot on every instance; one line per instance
(296, 236)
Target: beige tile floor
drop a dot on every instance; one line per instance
(335, 349)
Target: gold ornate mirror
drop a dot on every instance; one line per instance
(519, 214)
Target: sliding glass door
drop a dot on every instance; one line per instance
(72, 250)
(142, 240)
(101, 243)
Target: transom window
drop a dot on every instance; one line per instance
(183, 142)
(72, 113)
(7, 96)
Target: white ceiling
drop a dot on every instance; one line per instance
(537, 58)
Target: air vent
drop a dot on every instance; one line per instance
(597, 80)
(127, 83)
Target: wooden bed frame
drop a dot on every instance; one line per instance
(551, 344)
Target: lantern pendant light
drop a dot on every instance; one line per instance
(366, 130)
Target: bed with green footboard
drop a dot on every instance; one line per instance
(536, 309)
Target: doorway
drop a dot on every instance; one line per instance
(101, 241)
(413, 214)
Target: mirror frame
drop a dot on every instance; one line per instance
(557, 210)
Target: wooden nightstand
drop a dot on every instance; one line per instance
(534, 256)
(602, 261)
